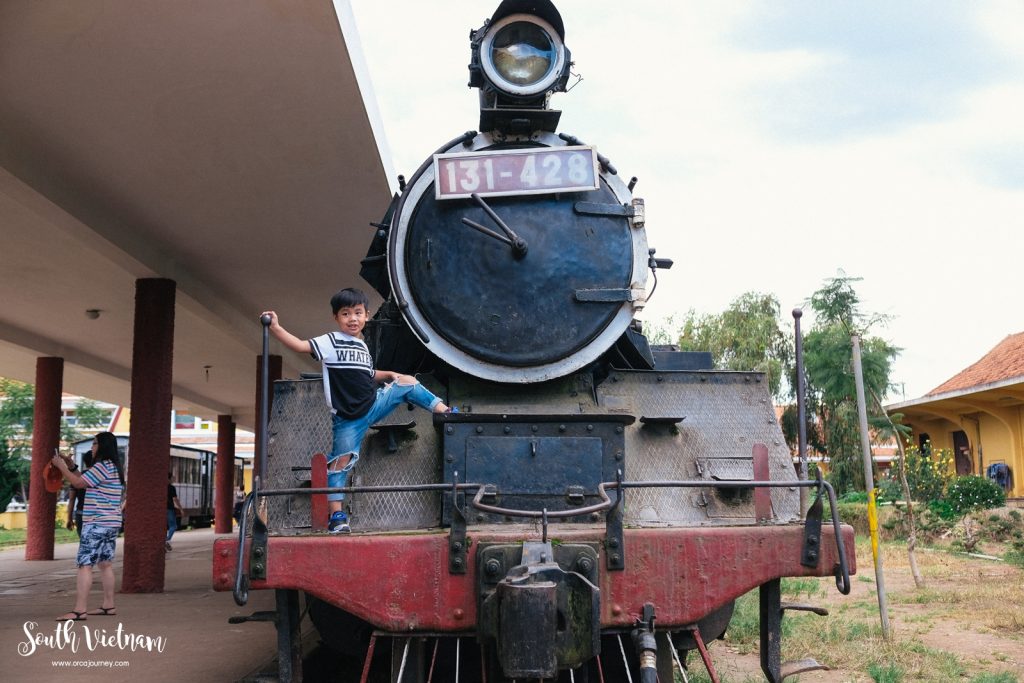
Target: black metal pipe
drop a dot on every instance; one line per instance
(264, 398)
(801, 403)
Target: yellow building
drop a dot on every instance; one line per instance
(978, 413)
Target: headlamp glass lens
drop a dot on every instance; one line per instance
(523, 53)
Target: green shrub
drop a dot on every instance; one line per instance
(853, 497)
(889, 487)
(1000, 529)
(928, 472)
(1016, 553)
(974, 493)
(942, 509)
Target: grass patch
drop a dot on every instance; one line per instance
(13, 537)
(885, 673)
(1003, 677)
(850, 639)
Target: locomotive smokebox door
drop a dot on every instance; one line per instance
(517, 261)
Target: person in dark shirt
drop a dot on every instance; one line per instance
(173, 511)
(76, 498)
(352, 389)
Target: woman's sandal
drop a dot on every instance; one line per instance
(103, 612)
(79, 616)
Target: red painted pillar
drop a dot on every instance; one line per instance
(274, 370)
(225, 479)
(45, 439)
(149, 458)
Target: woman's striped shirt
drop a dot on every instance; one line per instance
(103, 497)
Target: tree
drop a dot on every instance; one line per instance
(831, 393)
(748, 335)
(17, 405)
(17, 401)
(88, 414)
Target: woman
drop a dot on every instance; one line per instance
(239, 502)
(103, 484)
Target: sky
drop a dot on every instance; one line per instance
(778, 144)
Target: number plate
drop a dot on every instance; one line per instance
(517, 171)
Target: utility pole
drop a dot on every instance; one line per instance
(869, 482)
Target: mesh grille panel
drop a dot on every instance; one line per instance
(300, 426)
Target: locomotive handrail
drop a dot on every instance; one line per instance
(842, 575)
(241, 590)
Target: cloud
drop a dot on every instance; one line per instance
(1002, 166)
(882, 66)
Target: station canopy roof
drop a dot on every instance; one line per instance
(231, 146)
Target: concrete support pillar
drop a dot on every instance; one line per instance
(45, 440)
(225, 479)
(149, 457)
(274, 370)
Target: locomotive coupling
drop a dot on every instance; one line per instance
(541, 615)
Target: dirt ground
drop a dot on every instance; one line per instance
(971, 608)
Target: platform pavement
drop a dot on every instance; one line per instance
(199, 644)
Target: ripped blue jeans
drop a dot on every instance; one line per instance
(349, 434)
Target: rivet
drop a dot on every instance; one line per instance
(457, 562)
(660, 378)
(258, 552)
(561, 428)
(259, 567)
(508, 430)
(458, 614)
(616, 610)
(492, 566)
(615, 558)
(585, 564)
(590, 428)
(479, 430)
(449, 429)
(224, 552)
(618, 455)
(618, 430)
(533, 428)
(450, 458)
(457, 546)
(224, 578)
(613, 543)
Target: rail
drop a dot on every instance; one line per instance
(842, 574)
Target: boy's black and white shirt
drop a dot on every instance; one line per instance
(348, 373)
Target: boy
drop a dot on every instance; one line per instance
(351, 388)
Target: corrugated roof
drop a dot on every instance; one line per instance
(1004, 361)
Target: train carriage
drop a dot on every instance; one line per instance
(191, 471)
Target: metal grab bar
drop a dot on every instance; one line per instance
(241, 590)
(842, 575)
(605, 503)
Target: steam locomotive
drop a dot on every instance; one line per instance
(597, 504)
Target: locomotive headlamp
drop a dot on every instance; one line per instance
(518, 58)
(522, 55)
